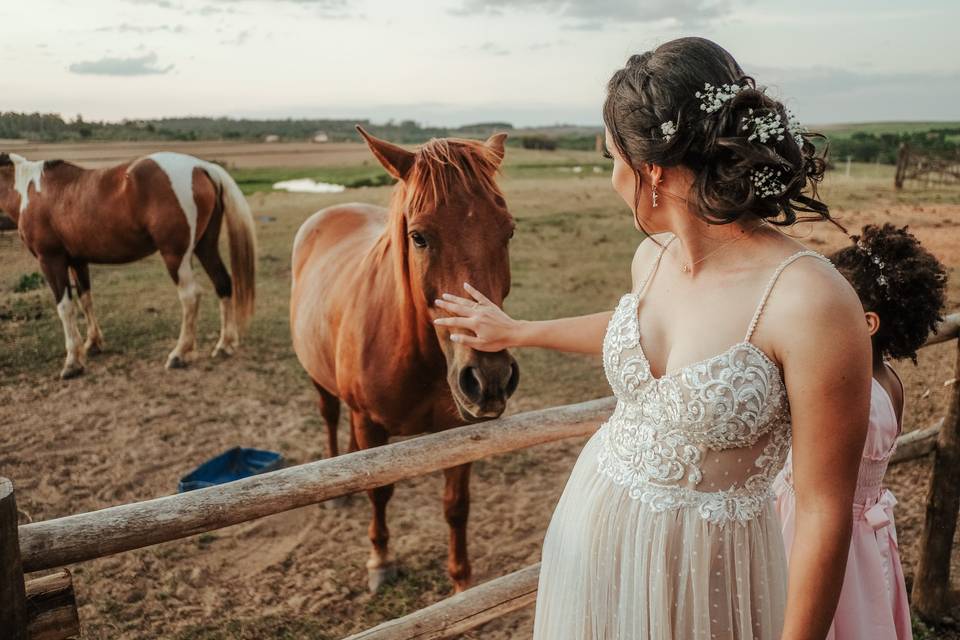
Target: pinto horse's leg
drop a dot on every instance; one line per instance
(381, 567)
(456, 509)
(182, 273)
(94, 343)
(55, 269)
(208, 252)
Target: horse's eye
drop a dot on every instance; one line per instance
(510, 237)
(418, 240)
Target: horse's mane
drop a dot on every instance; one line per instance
(443, 163)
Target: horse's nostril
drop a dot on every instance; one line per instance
(514, 379)
(470, 384)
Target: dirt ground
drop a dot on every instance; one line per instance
(128, 429)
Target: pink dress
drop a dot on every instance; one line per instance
(873, 603)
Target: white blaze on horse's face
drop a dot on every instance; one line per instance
(26, 172)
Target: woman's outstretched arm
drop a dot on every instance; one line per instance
(486, 327)
(820, 337)
(479, 323)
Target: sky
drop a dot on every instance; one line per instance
(452, 62)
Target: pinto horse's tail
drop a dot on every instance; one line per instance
(242, 239)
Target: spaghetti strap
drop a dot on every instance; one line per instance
(654, 266)
(773, 280)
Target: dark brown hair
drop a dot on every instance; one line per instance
(900, 281)
(661, 86)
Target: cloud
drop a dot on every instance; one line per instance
(134, 28)
(830, 94)
(493, 49)
(239, 39)
(163, 4)
(139, 66)
(594, 14)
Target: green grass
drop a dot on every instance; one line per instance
(263, 179)
(519, 163)
(28, 282)
(879, 128)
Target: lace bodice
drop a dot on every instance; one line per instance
(711, 436)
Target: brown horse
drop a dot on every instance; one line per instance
(362, 307)
(70, 217)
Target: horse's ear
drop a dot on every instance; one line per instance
(496, 144)
(396, 160)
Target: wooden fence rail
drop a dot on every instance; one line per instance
(85, 536)
(462, 612)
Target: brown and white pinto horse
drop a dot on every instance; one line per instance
(362, 307)
(70, 217)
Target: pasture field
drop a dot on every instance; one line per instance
(128, 429)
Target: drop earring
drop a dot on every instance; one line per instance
(653, 195)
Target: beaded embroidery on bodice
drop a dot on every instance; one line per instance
(711, 436)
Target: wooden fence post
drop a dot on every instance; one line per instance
(13, 595)
(903, 158)
(931, 585)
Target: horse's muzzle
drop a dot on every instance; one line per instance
(485, 384)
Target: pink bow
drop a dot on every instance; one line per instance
(880, 515)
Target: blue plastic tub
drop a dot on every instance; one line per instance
(234, 464)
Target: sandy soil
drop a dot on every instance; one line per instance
(128, 432)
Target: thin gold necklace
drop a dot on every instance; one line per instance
(686, 268)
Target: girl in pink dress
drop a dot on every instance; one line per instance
(902, 287)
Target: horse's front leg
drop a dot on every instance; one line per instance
(456, 509)
(55, 270)
(381, 567)
(94, 343)
(182, 273)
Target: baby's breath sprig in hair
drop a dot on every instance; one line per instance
(766, 182)
(668, 129)
(795, 128)
(712, 98)
(766, 126)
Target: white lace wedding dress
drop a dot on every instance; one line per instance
(666, 529)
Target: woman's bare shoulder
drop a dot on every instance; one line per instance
(646, 254)
(812, 302)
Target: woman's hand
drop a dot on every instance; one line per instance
(490, 329)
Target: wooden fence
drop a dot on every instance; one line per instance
(45, 609)
(928, 168)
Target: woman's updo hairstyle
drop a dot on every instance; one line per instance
(656, 113)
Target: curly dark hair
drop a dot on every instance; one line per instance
(661, 86)
(900, 281)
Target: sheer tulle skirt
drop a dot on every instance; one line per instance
(615, 569)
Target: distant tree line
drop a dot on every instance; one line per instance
(861, 146)
(48, 127)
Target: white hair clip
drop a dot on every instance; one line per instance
(882, 278)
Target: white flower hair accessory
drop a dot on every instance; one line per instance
(795, 128)
(882, 278)
(767, 182)
(713, 98)
(668, 129)
(764, 127)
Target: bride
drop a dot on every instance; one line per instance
(734, 342)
